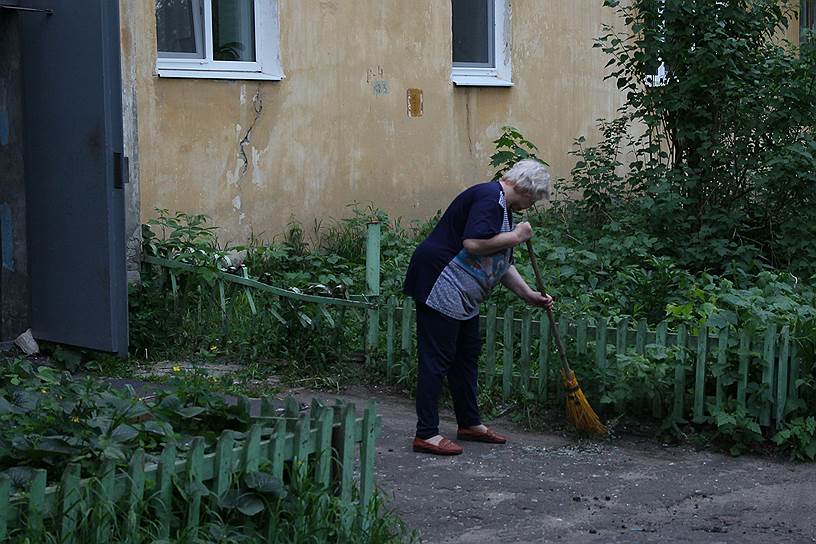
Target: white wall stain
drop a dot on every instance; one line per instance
(258, 178)
(236, 202)
(234, 176)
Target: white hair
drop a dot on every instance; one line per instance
(530, 176)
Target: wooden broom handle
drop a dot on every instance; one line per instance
(540, 285)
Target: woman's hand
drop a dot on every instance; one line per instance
(523, 231)
(541, 301)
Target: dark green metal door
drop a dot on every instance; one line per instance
(74, 170)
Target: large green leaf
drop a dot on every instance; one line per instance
(8, 408)
(55, 445)
(124, 433)
(190, 411)
(250, 504)
(265, 483)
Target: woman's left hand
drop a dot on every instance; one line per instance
(542, 301)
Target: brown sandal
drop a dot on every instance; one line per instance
(487, 436)
(445, 447)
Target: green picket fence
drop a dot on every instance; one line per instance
(322, 442)
(710, 366)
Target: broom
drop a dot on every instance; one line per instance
(579, 412)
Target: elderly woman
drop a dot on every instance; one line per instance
(451, 273)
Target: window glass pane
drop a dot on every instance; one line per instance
(473, 32)
(178, 28)
(233, 30)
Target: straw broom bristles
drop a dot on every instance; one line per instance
(579, 411)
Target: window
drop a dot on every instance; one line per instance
(481, 44)
(221, 39)
(807, 18)
(658, 73)
(659, 78)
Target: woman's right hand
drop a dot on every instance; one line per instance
(523, 232)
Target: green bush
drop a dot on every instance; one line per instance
(725, 166)
(51, 419)
(737, 427)
(799, 436)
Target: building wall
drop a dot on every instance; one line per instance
(255, 155)
(133, 62)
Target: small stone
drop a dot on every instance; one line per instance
(577, 499)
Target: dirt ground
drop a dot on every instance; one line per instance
(555, 488)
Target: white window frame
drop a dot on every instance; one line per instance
(499, 75)
(267, 64)
(661, 77)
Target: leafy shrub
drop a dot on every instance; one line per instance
(49, 419)
(737, 427)
(799, 436)
(726, 160)
(52, 419)
(511, 147)
(638, 382)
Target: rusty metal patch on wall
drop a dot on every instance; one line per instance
(414, 102)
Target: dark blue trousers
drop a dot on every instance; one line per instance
(446, 347)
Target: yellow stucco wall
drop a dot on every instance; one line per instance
(322, 138)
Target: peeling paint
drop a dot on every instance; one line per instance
(379, 87)
(257, 104)
(234, 176)
(258, 176)
(236, 202)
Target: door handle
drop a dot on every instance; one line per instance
(121, 170)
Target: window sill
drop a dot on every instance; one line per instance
(479, 81)
(218, 74)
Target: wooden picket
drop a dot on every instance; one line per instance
(507, 363)
(699, 376)
(768, 367)
(5, 492)
(781, 393)
(543, 359)
(490, 345)
(321, 440)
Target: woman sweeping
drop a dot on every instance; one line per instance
(451, 273)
